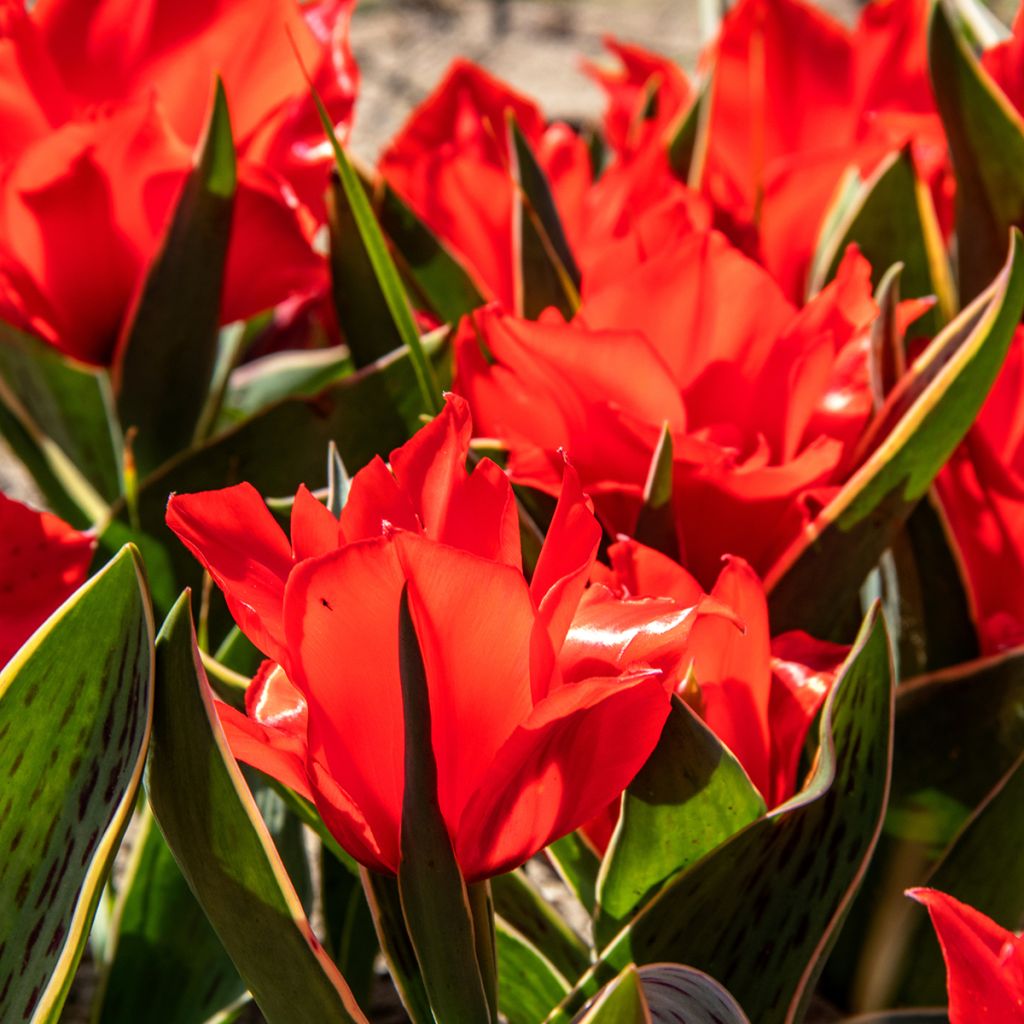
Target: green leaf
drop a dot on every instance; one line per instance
(577, 865)
(362, 308)
(689, 797)
(429, 880)
(924, 419)
(339, 483)
(656, 525)
(620, 1002)
(986, 142)
(369, 413)
(760, 912)
(167, 354)
(386, 907)
(441, 281)
(75, 715)
(892, 218)
(388, 280)
(525, 909)
(978, 710)
(688, 139)
(983, 868)
(256, 386)
(352, 939)
(531, 986)
(68, 402)
(166, 954)
(548, 275)
(675, 993)
(214, 829)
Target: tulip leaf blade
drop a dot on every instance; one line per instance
(388, 279)
(547, 270)
(798, 867)
(531, 986)
(621, 1001)
(688, 139)
(672, 990)
(202, 805)
(444, 284)
(923, 420)
(892, 218)
(577, 864)
(166, 953)
(522, 907)
(75, 714)
(656, 525)
(167, 353)
(262, 383)
(430, 882)
(359, 301)
(70, 403)
(986, 141)
(366, 413)
(690, 796)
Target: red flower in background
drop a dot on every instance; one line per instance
(451, 162)
(99, 125)
(508, 729)
(757, 693)
(43, 561)
(798, 99)
(764, 402)
(984, 962)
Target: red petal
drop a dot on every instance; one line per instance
(566, 558)
(43, 561)
(314, 529)
(535, 791)
(643, 572)
(376, 503)
(237, 539)
(984, 962)
(733, 670)
(341, 619)
(486, 653)
(279, 754)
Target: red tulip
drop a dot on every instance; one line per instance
(764, 402)
(797, 100)
(509, 731)
(90, 189)
(984, 962)
(451, 163)
(120, 52)
(43, 561)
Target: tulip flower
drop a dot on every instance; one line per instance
(984, 962)
(90, 188)
(77, 56)
(759, 694)
(43, 561)
(509, 730)
(764, 402)
(797, 100)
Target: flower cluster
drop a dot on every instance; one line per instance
(684, 546)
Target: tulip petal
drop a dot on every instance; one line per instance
(566, 558)
(314, 530)
(984, 962)
(535, 792)
(237, 539)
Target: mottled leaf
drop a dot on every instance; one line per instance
(75, 714)
(214, 829)
(167, 353)
(689, 797)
